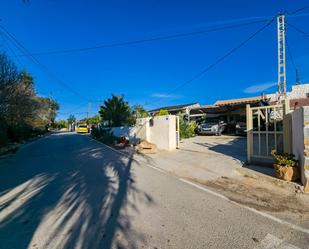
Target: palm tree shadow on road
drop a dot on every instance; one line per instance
(58, 193)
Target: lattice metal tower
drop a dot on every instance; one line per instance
(281, 56)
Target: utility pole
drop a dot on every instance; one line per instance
(88, 109)
(281, 56)
(100, 103)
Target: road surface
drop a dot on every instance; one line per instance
(69, 191)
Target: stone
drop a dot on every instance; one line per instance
(146, 148)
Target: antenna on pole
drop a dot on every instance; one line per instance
(281, 56)
(297, 77)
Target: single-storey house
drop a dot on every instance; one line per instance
(175, 109)
(232, 111)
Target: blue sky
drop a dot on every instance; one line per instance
(147, 73)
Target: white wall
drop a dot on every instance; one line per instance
(125, 131)
(300, 133)
(162, 133)
(299, 91)
(142, 128)
(298, 139)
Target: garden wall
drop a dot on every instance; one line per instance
(300, 141)
(160, 130)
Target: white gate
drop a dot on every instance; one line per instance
(268, 128)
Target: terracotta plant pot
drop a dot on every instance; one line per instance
(286, 173)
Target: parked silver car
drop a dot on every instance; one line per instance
(241, 128)
(211, 128)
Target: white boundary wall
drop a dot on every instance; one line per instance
(300, 140)
(160, 130)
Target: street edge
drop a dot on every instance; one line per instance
(269, 216)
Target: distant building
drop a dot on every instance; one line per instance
(175, 109)
(232, 111)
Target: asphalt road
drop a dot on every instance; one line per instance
(68, 191)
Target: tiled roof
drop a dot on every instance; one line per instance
(173, 107)
(239, 101)
(204, 107)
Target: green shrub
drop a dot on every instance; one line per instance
(162, 112)
(186, 129)
(284, 159)
(60, 124)
(22, 133)
(104, 135)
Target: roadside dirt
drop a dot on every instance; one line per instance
(262, 195)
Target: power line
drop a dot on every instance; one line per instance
(290, 54)
(297, 77)
(298, 30)
(22, 48)
(146, 40)
(222, 58)
(73, 110)
(300, 9)
(9, 48)
(12, 51)
(152, 39)
(305, 35)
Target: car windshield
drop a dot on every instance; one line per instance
(82, 126)
(209, 124)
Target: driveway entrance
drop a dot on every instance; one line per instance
(233, 147)
(204, 157)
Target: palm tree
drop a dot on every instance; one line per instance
(116, 111)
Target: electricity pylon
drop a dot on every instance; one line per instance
(281, 56)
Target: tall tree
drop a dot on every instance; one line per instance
(8, 81)
(47, 111)
(21, 110)
(22, 104)
(93, 120)
(116, 111)
(139, 111)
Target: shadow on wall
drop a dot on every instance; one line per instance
(72, 199)
(235, 148)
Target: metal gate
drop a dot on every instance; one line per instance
(268, 128)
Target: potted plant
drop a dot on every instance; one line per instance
(286, 166)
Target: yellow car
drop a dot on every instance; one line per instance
(81, 128)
